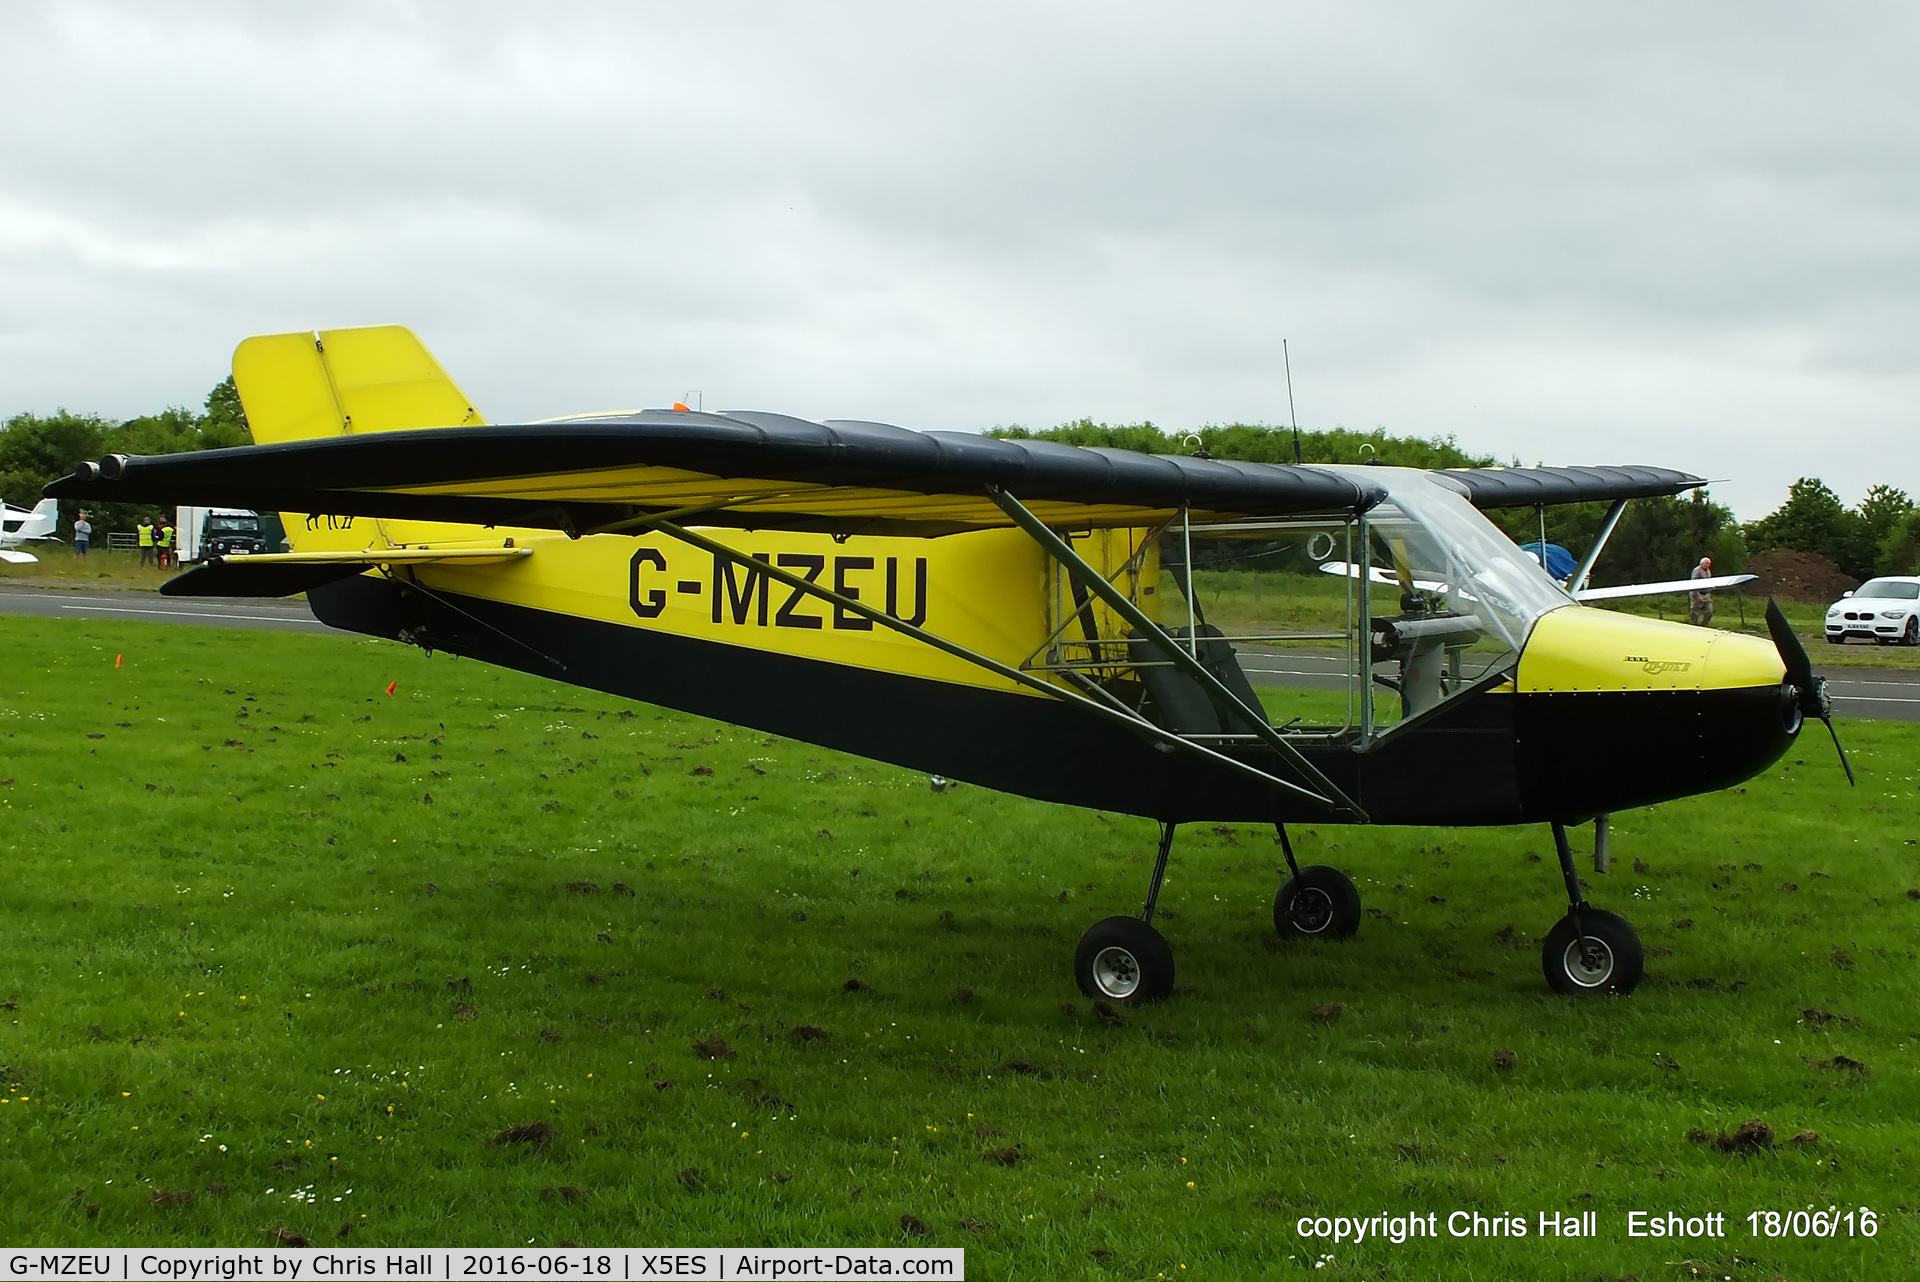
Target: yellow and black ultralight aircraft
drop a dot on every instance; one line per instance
(1018, 614)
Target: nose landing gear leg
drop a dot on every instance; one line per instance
(1589, 950)
(1124, 959)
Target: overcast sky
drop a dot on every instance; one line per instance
(1682, 235)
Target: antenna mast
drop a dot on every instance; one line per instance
(1290, 414)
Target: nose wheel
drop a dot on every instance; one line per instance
(1589, 950)
(1599, 953)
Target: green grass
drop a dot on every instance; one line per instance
(230, 917)
(58, 567)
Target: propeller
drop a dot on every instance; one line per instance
(1809, 690)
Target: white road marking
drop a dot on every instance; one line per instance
(183, 614)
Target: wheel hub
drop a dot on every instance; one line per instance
(1116, 973)
(1589, 962)
(1311, 911)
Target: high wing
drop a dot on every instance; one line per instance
(741, 469)
(1491, 487)
(1657, 589)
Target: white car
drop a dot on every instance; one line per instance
(1884, 610)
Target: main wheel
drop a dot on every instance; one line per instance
(1912, 635)
(1122, 959)
(1600, 955)
(1320, 903)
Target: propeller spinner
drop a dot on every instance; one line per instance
(1809, 690)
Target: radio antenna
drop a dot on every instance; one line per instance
(1284, 356)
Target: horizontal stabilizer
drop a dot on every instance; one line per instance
(12, 557)
(1659, 589)
(289, 573)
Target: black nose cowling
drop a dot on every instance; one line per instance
(1810, 693)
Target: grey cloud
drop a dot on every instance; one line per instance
(1578, 233)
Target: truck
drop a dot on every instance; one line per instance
(202, 533)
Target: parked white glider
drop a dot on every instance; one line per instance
(17, 525)
(1379, 574)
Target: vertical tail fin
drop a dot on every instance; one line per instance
(344, 382)
(46, 515)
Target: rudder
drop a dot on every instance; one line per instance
(340, 382)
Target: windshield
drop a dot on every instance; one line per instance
(233, 525)
(1451, 599)
(1891, 589)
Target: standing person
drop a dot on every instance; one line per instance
(1700, 604)
(82, 537)
(143, 532)
(163, 543)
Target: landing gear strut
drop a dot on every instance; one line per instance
(1124, 959)
(1317, 902)
(1588, 951)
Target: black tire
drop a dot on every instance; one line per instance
(1836, 640)
(1320, 903)
(1912, 635)
(1122, 959)
(1612, 962)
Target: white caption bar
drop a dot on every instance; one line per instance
(239, 1264)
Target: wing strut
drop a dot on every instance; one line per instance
(1580, 573)
(1117, 601)
(1120, 715)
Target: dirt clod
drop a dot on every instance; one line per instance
(1503, 1059)
(1747, 1137)
(914, 1225)
(1327, 1010)
(714, 1047)
(535, 1134)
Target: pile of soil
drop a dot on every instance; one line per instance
(1798, 576)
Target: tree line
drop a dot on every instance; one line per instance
(37, 449)
(1657, 539)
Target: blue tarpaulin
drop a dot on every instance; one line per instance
(1560, 563)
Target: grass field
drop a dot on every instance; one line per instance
(277, 939)
(57, 567)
